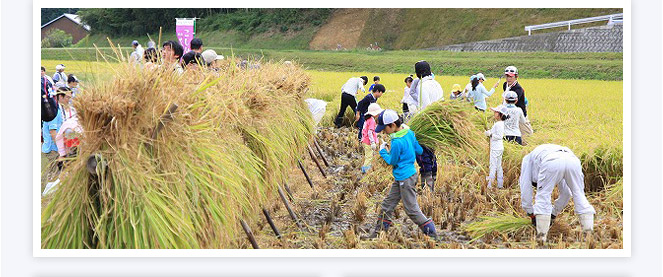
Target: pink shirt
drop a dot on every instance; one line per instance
(368, 134)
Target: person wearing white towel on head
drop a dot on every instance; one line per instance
(496, 133)
(545, 166)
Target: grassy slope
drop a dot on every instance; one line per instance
(598, 66)
(423, 28)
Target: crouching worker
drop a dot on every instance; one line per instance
(401, 156)
(545, 166)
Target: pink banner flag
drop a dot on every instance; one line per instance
(184, 28)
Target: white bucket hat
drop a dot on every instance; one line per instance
(374, 109)
(59, 67)
(500, 109)
(480, 76)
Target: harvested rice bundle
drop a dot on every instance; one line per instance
(445, 125)
(216, 159)
(503, 223)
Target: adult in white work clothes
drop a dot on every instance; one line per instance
(545, 166)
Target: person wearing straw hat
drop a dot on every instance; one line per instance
(511, 84)
(543, 168)
(60, 78)
(401, 156)
(456, 92)
(369, 136)
(349, 97)
(496, 134)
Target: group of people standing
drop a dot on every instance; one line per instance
(172, 55)
(546, 166)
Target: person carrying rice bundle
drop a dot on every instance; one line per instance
(496, 133)
(545, 166)
(400, 155)
(425, 91)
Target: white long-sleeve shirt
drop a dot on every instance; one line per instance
(407, 99)
(353, 85)
(496, 134)
(529, 171)
(426, 91)
(512, 124)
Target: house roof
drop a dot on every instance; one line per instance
(73, 17)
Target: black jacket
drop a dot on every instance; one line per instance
(521, 96)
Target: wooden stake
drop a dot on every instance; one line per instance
(310, 151)
(248, 232)
(271, 223)
(290, 195)
(287, 206)
(317, 147)
(305, 174)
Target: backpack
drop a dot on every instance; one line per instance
(49, 109)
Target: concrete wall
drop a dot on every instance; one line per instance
(608, 38)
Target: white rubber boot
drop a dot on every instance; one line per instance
(586, 222)
(542, 226)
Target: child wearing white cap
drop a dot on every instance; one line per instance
(401, 155)
(369, 136)
(60, 78)
(496, 133)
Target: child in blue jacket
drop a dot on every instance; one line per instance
(404, 148)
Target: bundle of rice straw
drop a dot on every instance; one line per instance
(230, 142)
(445, 125)
(503, 222)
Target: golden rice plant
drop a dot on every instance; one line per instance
(229, 143)
(502, 223)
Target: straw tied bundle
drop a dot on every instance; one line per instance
(176, 163)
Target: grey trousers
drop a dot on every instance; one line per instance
(403, 190)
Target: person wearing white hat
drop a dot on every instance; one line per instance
(468, 88)
(137, 55)
(401, 155)
(479, 93)
(516, 118)
(60, 78)
(210, 57)
(369, 136)
(545, 166)
(511, 84)
(496, 134)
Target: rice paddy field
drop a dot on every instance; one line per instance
(333, 203)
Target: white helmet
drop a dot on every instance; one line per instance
(509, 70)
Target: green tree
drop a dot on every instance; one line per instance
(56, 38)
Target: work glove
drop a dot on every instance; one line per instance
(383, 146)
(487, 133)
(533, 218)
(373, 146)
